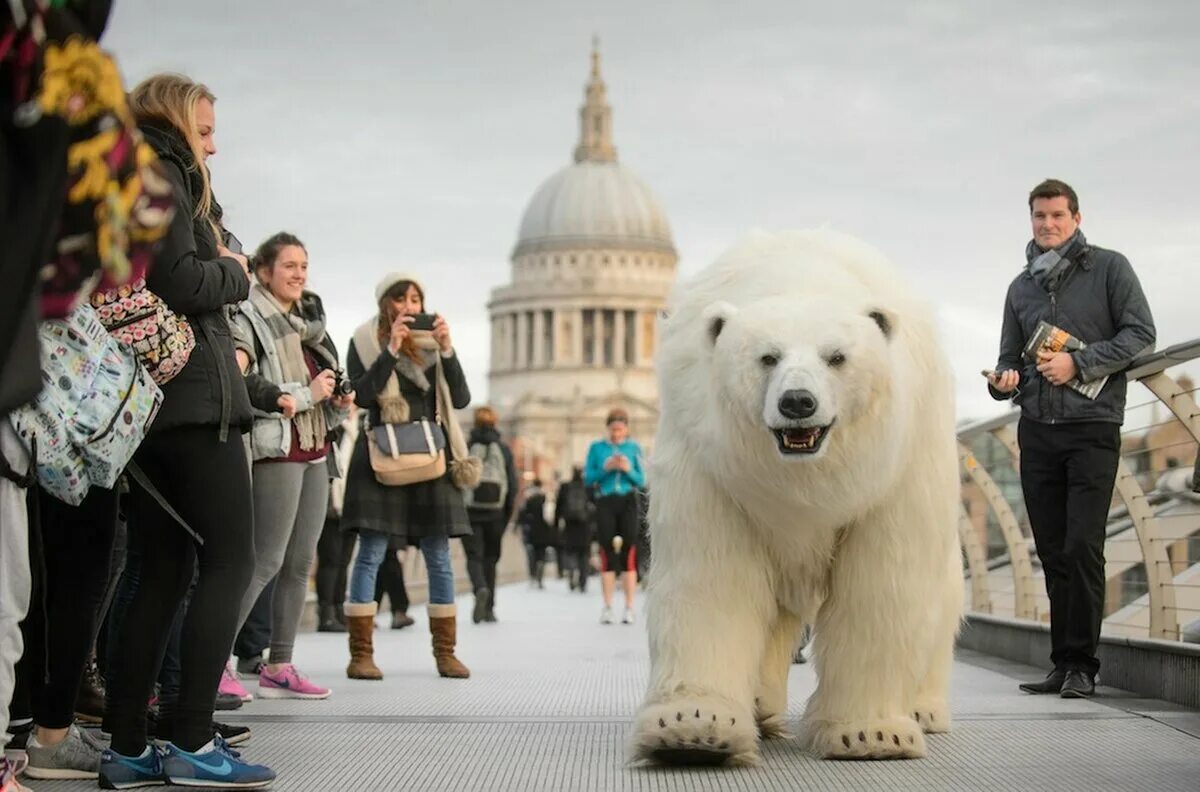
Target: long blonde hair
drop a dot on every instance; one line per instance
(172, 99)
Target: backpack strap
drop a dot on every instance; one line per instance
(144, 482)
(30, 477)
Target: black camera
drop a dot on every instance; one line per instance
(341, 384)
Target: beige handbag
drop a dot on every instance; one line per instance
(407, 453)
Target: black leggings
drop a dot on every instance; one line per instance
(76, 544)
(208, 482)
(617, 515)
(334, 552)
(483, 550)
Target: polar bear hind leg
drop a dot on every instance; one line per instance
(770, 703)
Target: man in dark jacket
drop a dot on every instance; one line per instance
(1070, 443)
(488, 522)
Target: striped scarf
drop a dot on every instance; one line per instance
(290, 333)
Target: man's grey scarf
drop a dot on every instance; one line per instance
(1049, 266)
(291, 333)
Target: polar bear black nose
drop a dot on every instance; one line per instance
(797, 404)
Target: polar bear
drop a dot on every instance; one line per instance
(805, 472)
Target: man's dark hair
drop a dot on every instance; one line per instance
(1053, 188)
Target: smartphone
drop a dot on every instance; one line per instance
(422, 321)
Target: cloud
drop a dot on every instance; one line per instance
(410, 136)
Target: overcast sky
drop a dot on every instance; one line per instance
(410, 135)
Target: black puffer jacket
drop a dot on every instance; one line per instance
(1099, 301)
(196, 282)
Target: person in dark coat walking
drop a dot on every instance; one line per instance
(488, 523)
(426, 514)
(542, 533)
(192, 451)
(575, 517)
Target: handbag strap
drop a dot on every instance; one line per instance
(144, 482)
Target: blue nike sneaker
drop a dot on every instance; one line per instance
(118, 771)
(215, 765)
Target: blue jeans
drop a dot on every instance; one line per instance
(373, 546)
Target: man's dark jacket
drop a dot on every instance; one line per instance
(1099, 301)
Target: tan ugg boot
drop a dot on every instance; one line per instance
(442, 624)
(360, 623)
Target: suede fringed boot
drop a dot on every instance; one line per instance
(360, 623)
(443, 626)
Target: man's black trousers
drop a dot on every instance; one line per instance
(1067, 473)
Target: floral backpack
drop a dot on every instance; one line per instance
(96, 404)
(134, 315)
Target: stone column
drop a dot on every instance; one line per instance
(637, 340)
(619, 360)
(577, 337)
(598, 337)
(519, 325)
(539, 348)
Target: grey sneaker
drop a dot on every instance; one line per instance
(74, 757)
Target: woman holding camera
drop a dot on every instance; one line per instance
(293, 461)
(398, 363)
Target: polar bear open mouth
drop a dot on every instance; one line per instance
(801, 439)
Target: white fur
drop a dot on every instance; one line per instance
(749, 545)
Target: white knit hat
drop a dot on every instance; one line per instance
(391, 279)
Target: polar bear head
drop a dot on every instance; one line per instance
(799, 362)
(802, 369)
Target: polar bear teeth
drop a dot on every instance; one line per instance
(803, 439)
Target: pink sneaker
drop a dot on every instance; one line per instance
(230, 685)
(288, 683)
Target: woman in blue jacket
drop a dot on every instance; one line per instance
(614, 470)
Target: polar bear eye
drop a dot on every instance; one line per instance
(836, 359)
(769, 360)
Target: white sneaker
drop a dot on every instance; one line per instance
(628, 616)
(606, 616)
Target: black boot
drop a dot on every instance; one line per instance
(539, 569)
(483, 602)
(89, 705)
(1051, 684)
(328, 620)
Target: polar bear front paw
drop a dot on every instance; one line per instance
(894, 738)
(933, 716)
(695, 730)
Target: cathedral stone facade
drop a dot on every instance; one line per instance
(573, 335)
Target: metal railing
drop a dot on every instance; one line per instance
(1152, 549)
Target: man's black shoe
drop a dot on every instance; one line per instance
(1051, 684)
(1078, 684)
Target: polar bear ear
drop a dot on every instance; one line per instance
(715, 317)
(885, 320)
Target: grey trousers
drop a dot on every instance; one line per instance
(290, 499)
(15, 581)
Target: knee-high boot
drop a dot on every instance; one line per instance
(443, 626)
(360, 622)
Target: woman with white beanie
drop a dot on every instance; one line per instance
(408, 378)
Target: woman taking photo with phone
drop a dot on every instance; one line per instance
(405, 373)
